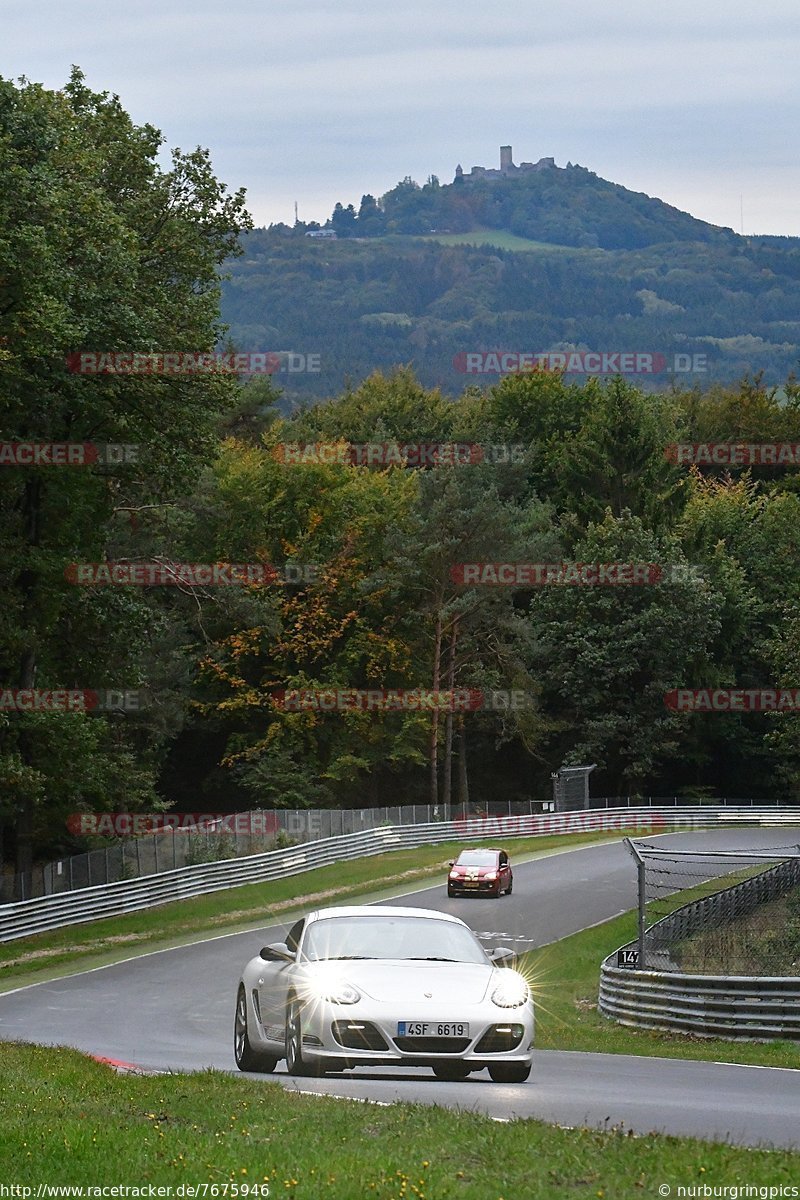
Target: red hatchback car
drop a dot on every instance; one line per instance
(480, 873)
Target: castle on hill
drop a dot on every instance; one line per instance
(507, 167)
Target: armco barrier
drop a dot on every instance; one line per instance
(27, 917)
(743, 1007)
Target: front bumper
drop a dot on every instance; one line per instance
(481, 887)
(340, 1036)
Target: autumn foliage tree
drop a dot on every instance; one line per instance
(101, 248)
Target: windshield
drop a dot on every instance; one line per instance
(477, 858)
(408, 938)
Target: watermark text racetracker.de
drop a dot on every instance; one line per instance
(555, 823)
(124, 573)
(134, 1191)
(388, 700)
(67, 454)
(398, 454)
(729, 700)
(578, 362)
(187, 362)
(71, 700)
(572, 574)
(136, 824)
(734, 454)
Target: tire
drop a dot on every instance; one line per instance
(248, 1059)
(509, 1072)
(450, 892)
(452, 1072)
(510, 886)
(295, 1063)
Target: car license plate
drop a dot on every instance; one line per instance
(471, 883)
(456, 1029)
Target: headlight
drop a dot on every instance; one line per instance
(454, 874)
(511, 992)
(336, 991)
(491, 875)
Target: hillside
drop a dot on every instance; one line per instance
(561, 261)
(569, 206)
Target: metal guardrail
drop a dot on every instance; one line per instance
(22, 918)
(739, 1007)
(679, 802)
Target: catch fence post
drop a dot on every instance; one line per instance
(640, 872)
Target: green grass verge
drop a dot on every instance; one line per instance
(499, 238)
(79, 947)
(70, 1121)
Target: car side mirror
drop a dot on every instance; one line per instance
(278, 952)
(452, 862)
(502, 957)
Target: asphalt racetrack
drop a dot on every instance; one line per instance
(173, 1010)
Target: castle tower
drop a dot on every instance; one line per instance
(506, 161)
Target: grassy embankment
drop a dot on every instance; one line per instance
(67, 1120)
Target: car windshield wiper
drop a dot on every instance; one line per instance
(342, 957)
(431, 958)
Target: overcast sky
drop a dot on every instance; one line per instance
(695, 101)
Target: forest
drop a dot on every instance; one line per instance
(256, 550)
(708, 311)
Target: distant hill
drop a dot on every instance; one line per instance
(563, 261)
(569, 206)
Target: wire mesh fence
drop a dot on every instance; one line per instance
(719, 912)
(242, 834)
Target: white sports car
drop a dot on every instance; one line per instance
(380, 986)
